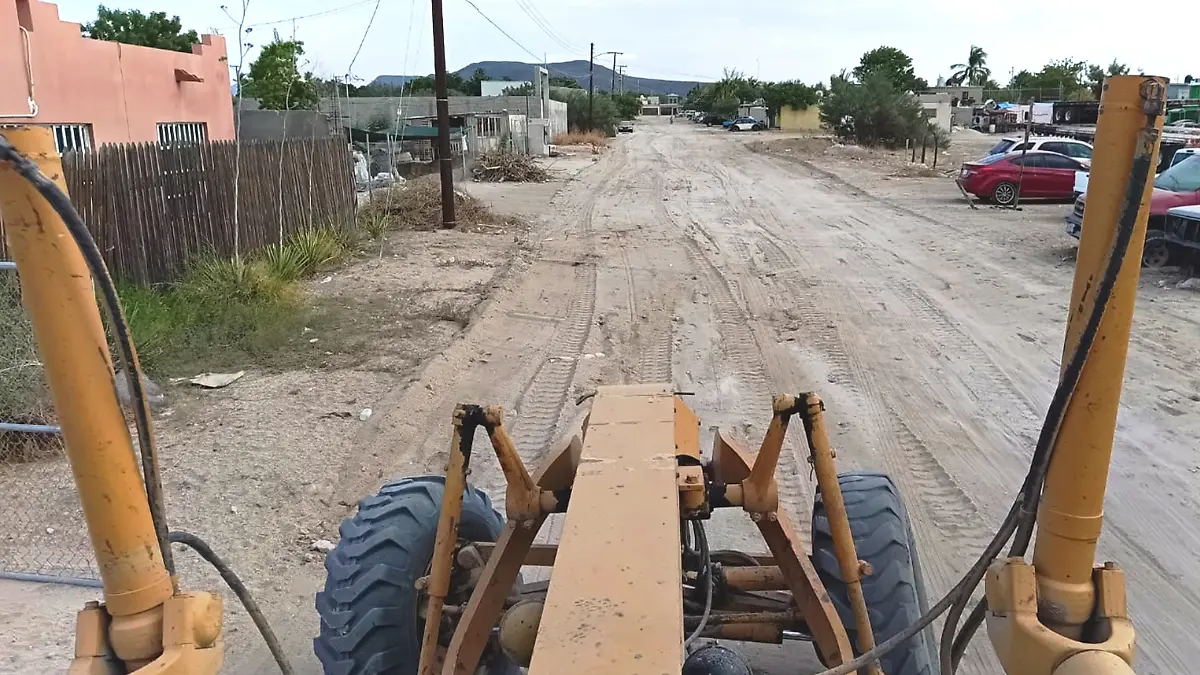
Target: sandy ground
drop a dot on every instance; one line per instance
(933, 332)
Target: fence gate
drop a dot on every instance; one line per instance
(44, 537)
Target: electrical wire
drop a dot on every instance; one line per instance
(243, 594)
(361, 42)
(61, 204)
(504, 32)
(541, 22)
(706, 575)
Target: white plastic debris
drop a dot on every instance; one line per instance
(365, 414)
(217, 380)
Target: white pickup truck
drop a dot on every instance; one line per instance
(1081, 177)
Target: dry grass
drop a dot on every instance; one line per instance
(417, 206)
(594, 138)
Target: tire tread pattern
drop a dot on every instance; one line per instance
(894, 591)
(368, 609)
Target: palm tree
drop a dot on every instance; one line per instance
(974, 71)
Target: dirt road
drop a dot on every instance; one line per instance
(933, 333)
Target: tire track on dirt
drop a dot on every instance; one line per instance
(944, 514)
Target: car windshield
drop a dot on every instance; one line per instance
(1002, 147)
(1183, 177)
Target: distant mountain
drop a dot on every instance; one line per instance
(577, 70)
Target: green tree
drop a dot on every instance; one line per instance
(628, 105)
(892, 64)
(794, 93)
(519, 90)
(275, 79)
(603, 118)
(1096, 76)
(134, 28)
(379, 122)
(1063, 79)
(564, 81)
(876, 112)
(974, 72)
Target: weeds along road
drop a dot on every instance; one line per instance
(681, 254)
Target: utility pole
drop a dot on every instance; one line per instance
(445, 162)
(613, 89)
(591, 84)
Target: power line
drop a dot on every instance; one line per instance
(538, 19)
(334, 10)
(536, 58)
(363, 41)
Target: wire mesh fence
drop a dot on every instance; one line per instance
(44, 535)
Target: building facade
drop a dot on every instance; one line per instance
(92, 92)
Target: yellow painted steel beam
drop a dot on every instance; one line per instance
(56, 288)
(614, 603)
(1071, 513)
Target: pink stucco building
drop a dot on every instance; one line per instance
(93, 92)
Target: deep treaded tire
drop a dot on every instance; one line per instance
(895, 591)
(368, 610)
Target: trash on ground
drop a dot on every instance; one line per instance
(217, 380)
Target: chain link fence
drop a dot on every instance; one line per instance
(44, 537)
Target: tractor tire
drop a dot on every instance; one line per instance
(369, 609)
(895, 590)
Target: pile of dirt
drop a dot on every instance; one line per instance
(417, 206)
(502, 166)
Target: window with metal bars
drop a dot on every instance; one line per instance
(72, 137)
(182, 133)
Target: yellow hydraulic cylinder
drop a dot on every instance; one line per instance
(56, 288)
(1071, 514)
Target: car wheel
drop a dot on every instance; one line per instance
(1157, 253)
(1005, 193)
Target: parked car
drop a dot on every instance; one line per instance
(1070, 147)
(1176, 187)
(1183, 234)
(626, 126)
(1000, 178)
(745, 124)
(710, 120)
(1081, 177)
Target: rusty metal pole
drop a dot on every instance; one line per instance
(445, 162)
(851, 567)
(447, 533)
(56, 288)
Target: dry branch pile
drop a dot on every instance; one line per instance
(417, 205)
(500, 166)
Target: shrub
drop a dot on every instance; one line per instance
(876, 113)
(581, 138)
(604, 116)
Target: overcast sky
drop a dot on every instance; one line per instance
(697, 39)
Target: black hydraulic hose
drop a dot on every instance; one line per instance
(243, 594)
(706, 577)
(61, 204)
(953, 647)
(150, 470)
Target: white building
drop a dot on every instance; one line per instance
(498, 87)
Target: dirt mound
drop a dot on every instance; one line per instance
(417, 206)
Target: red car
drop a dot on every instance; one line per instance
(1045, 175)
